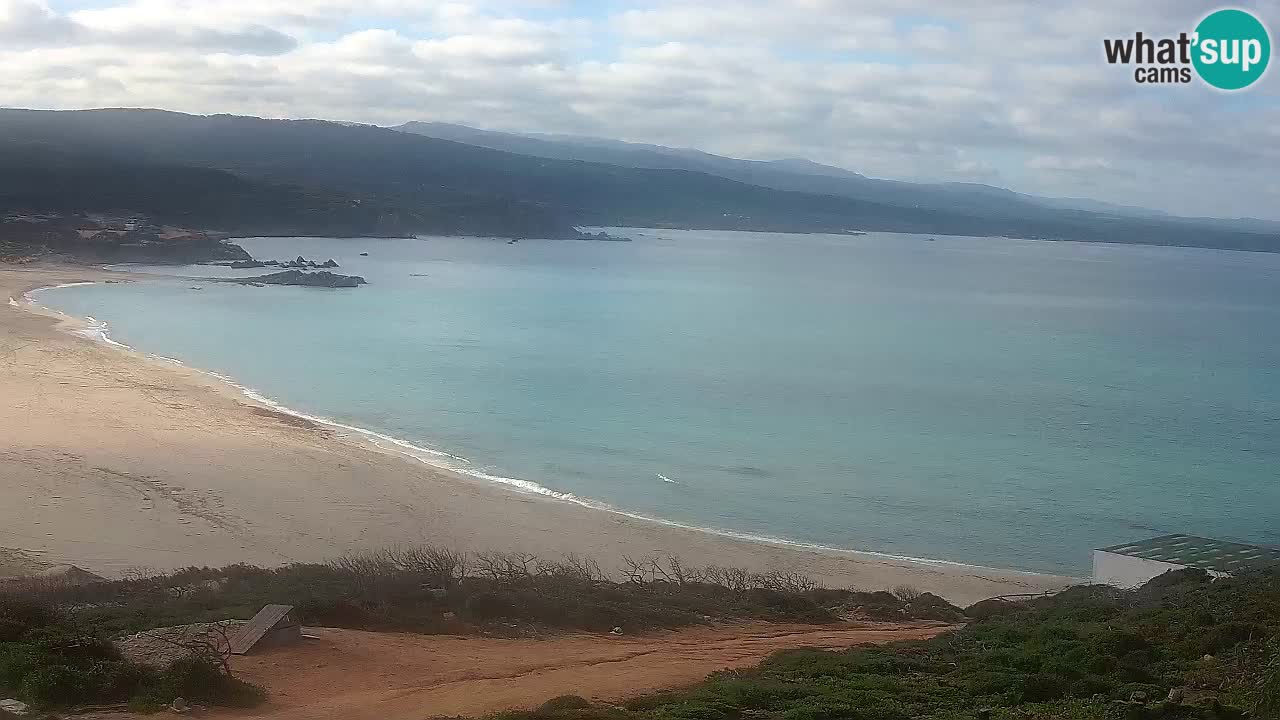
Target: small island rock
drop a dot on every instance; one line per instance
(323, 278)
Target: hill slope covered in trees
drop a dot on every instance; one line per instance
(251, 175)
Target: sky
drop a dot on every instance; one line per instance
(1014, 93)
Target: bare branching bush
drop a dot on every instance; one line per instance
(906, 593)
(671, 570)
(444, 565)
(371, 564)
(735, 578)
(571, 567)
(441, 567)
(786, 582)
(207, 642)
(434, 590)
(138, 573)
(649, 570)
(504, 565)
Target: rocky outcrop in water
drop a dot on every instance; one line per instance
(300, 263)
(248, 264)
(602, 236)
(323, 278)
(305, 264)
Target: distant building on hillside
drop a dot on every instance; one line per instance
(1133, 564)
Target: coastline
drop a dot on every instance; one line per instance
(458, 508)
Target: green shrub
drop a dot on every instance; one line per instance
(1039, 687)
(16, 660)
(993, 607)
(1091, 685)
(18, 616)
(1266, 694)
(562, 703)
(200, 679)
(700, 708)
(1117, 642)
(822, 709)
(992, 682)
(95, 682)
(1048, 658)
(50, 659)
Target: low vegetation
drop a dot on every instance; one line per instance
(430, 590)
(1183, 646)
(55, 647)
(51, 658)
(1180, 647)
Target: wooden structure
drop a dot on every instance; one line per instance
(273, 625)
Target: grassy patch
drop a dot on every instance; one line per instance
(1090, 652)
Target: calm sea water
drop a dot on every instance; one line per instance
(997, 402)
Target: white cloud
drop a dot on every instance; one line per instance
(1055, 163)
(29, 23)
(32, 25)
(1010, 92)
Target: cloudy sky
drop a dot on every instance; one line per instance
(1008, 92)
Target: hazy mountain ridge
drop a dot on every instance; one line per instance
(805, 175)
(250, 175)
(794, 174)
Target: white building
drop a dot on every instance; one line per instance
(1132, 564)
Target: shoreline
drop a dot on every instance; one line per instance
(80, 330)
(101, 333)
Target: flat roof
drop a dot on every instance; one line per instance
(1198, 552)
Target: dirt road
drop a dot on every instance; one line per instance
(356, 675)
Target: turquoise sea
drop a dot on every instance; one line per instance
(989, 401)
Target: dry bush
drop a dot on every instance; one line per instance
(735, 578)
(571, 567)
(786, 582)
(432, 590)
(140, 572)
(494, 565)
(650, 570)
(206, 642)
(672, 570)
(371, 564)
(444, 565)
(440, 566)
(906, 593)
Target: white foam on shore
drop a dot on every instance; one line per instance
(63, 285)
(100, 331)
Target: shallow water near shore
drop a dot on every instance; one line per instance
(987, 401)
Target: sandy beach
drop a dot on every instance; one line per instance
(111, 460)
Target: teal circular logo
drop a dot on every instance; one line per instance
(1232, 49)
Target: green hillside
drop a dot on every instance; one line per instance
(307, 175)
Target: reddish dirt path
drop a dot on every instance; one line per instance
(356, 675)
